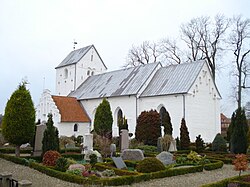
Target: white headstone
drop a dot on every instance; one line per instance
(88, 141)
(172, 146)
(124, 139)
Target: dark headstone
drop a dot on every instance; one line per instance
(119, 163)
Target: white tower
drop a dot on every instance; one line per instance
(76, 68)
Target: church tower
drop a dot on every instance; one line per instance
(76, 68)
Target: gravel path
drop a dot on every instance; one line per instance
(189, 180)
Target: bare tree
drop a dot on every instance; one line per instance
(240, 45)
(204, 39)
(146, 53)
(170, 51)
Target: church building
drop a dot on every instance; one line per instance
(183, 91)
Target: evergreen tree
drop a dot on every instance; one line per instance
(19, 118)
(50, 136)
(199, 143)
(239, 133)
(103, 120)
(184, 136)
(219, 144)
(230, 128)
(148, 128)
(166, 122)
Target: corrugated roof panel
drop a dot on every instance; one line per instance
(115, 83)
(173, 79)
(74, 56)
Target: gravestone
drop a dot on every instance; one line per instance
(166, 158)
(172, 147)
(124, 139)
(88, 142)
(159, 145)
(112, 150)
(38, 139)
(132, 154)
(119, 163)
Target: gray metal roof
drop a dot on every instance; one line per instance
(74, 56)
(116, 83)
(173, 79)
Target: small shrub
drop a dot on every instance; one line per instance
(149, 165)
(240, 163)
(50, 157)
(133, 143)
(74, 172)
(166, 141)
(147, 148)
(108, 173)
(199, 143)
(219, 144)
(62, 164)
(93, 159)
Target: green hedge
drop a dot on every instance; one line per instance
(215, 164)
(225, 182)
(73, 156)
(73, 150)
(11, 150)
(126, 178)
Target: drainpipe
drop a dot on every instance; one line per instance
(75, 79)
(136, 107)
(184, 105)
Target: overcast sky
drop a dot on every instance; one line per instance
(36, 35)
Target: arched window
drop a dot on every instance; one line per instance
(119, 116)
(76, 127)
(163, 112)
(92, 73)
(66, 72)
(88, 72)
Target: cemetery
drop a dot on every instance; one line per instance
(98, 158)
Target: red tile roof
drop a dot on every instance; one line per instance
(70, 109)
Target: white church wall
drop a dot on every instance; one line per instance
(203, 108)
(126, 103)
(172, 103)
(47, 105)
(65, 77)
(67, 129)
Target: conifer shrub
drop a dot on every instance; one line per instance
(184, 136)
(219, 144)
(103, 120)
(148, 127)
(62, 164)
(238, 141)
(150, 164)
(50, 158)
(199, 143)
(50, 136)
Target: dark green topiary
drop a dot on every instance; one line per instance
(184, 136)
(148, 128)
(50, 136)
(238, 141)
(93, 159)
(62, 164)
(150, 164)
(103, 120)
(166, 122)
(19, 118)
(199, 143)
(219, 144)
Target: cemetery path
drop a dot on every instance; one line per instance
(189, 180)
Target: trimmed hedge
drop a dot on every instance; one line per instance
(225, 182)
(127, 178)
(11, 150)
(73, 156)
(215, 164)
(73, 150)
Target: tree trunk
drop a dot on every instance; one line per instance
(239, 90)
(17, 151)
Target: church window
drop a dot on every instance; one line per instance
(92, 73)
(81, 77)
(164, 115)
(76, 127)
(88, 72)
(119, 116)
(92, 57)
(66, 73)
(58, 82)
